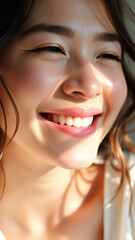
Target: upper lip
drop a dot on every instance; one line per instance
(75, 112)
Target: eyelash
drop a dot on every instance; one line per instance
(53, 49)
(56, 49)
(109, 56)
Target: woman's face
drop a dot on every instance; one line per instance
(64, 73)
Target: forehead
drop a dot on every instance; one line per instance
(71, 13)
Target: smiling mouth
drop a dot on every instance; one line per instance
(69, 121)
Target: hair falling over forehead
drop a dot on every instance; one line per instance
(111, 145)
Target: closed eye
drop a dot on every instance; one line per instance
(51, 49)
(109, 56)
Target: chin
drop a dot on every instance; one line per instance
(78, 161)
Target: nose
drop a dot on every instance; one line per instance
(83, 83)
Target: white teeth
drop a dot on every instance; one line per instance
(62, 120)
(85, 122)
(69, 121)
(77, 122)
(90, 120)
(55, 119)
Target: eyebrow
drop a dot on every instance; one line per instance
(68, 32)
(107, 37)
(58, 29)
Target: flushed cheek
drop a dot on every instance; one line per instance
(33, 81)
(115, 91)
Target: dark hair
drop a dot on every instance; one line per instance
(13, 14)
(118, 138)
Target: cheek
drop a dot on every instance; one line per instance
(33, 81)
(115, 91)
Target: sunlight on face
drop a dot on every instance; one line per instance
(65, 61)
(102, 78)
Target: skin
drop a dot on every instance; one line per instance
(42, 159)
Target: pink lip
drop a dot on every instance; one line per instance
(75, 112)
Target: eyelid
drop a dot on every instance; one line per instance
(115, 55)
(43, 46)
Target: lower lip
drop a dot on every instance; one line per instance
(75, 132)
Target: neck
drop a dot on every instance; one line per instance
(44, 192)
(38, 187)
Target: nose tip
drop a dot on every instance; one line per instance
(83, 83)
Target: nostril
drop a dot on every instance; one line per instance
(80, 88)
(76, 92)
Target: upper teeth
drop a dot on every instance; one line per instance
(75, 122)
